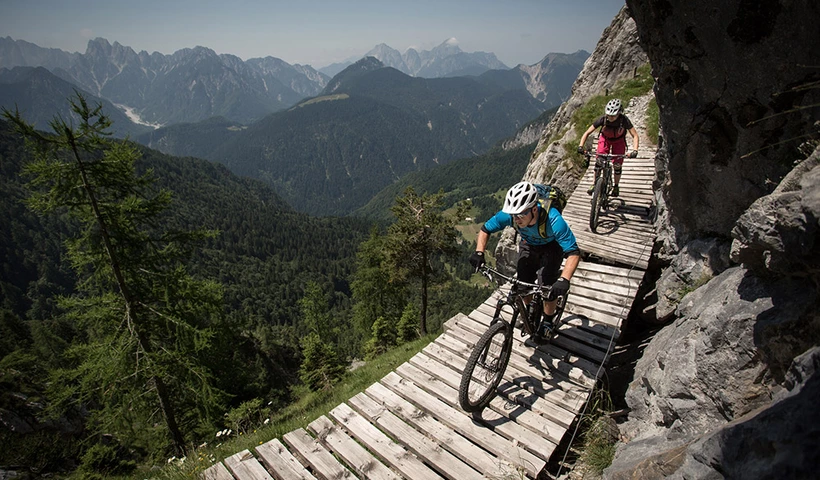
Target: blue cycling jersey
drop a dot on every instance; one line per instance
(557, 230)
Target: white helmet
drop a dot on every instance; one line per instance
(520, 197)
(613, 107)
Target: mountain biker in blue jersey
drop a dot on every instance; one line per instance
(522, 211)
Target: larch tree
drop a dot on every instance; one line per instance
(143, 321)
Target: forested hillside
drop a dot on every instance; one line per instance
(278, 271)
(263, 256)
(473, 178)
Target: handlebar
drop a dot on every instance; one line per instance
(590, 153)
(490, 272)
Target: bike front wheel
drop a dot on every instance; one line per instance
(597, 199)
(485, 367)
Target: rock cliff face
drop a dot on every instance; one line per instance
(728, 388)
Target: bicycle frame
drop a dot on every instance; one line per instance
(602, 187)
(487, 362)
(515, 300)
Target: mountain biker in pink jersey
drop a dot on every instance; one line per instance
(614, 126)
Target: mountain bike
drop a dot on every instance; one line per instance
(489, 358)
(602, 189)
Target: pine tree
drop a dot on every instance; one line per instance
(421, 232)
(144, 321)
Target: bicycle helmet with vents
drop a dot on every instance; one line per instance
(520, 197)
(613, 107)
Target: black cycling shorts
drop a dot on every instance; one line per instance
(533, 257)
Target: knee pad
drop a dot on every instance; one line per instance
(617, 168)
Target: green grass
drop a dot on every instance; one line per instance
(653, 121)
(599, 443)
(299, 414)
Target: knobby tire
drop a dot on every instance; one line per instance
(597, 198)
(496, 342)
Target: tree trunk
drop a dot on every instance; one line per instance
(423, 319)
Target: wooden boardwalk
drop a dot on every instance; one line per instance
(409, 425)
(626, 231)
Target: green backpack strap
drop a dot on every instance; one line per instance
(543, 216)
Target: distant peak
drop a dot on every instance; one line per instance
(451, 41)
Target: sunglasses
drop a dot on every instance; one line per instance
(521, 215)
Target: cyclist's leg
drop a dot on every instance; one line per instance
(527, 266)
(599, 161)
(618, 148)
(550, 259)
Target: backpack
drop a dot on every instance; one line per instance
(549, 196)
(613, 129)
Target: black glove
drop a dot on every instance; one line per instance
(559, 288)
(477, 260)
(581, 150)
(633, 154)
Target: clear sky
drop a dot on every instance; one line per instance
(314, 32)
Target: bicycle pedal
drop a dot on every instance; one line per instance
(539, 340)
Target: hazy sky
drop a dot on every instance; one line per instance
(314, 32)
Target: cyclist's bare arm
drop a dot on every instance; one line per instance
(481, 241)
(635, 141)
(570, 265)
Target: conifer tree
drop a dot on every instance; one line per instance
(321, 366)
(144, 322)
(375, 293)
(384, 337)
(421, 232)
(407, 329)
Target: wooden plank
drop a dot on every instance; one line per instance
(542, 356)
(246, 467)
(473, 455)
(609, 256)
(280, 463)
(518, 367)
(355, 455)
(529, 391)
(536, 444)
(478, 321)
(444, 462)
(442, 353)
(374, 439)
(500, 446)
(504, 404)
(217, 471)
(604, 291)
(617, 272)
(310, 452)
(483, 316)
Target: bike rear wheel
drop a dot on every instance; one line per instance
(485, 367)
(597, 199)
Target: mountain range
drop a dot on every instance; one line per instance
(326, 145)
(194, 84)
(371, 125)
